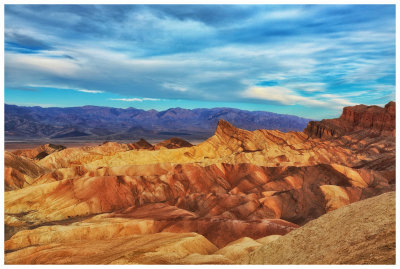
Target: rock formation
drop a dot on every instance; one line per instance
(372, 119)
(159, 248)
(141, 144)
(368, 227)
(173, 143)
(20, 171)
(39, 152)
(255, 186)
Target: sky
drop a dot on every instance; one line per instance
(304, 60)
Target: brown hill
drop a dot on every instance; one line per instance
(141, 144)
(39, 152)
(360, 233)
(173, 143)
(20, 171)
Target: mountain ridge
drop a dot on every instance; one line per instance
(93, 122)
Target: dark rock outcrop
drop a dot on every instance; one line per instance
(141, 144)
(39, 152)
(173, 143)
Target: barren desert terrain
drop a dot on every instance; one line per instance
(322, 196)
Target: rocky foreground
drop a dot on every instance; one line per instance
(241, 196)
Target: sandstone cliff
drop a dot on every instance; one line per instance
(373, 119)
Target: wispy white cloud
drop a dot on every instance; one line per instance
(63, 88)
(382, 87)
(32, 104)
(284, 14)
(281, 95)
(134, 99)
(268, 16)
(88, 91)
(40, 63)
(286, 96)
(307, 86)
(274, 76)
(174, 87)
(337, 99)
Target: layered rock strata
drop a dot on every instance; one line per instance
(249, 184)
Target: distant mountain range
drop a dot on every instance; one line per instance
(93, 122)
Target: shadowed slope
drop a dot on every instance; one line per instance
(173, 143)
(39, 152)
(20, 171)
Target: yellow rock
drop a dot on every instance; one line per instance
(268, 239)
(356, 179)
(102, 229)
(335, 197)
(159, 248)
(205, 259)
(236, 250)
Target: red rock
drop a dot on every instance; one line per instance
(373, 119)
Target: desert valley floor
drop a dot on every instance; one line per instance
(322, 196)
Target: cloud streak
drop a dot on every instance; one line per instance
(134, 99)
(63, 88)
(286, 96)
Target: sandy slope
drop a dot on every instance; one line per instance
(360, 233)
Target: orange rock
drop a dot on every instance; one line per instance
(20, 171)
(39, 152)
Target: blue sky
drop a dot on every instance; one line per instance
(306, 60)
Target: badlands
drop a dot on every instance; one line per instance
(321, 196)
